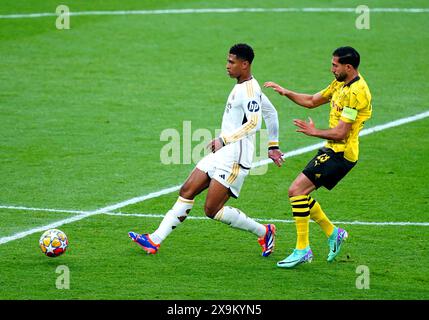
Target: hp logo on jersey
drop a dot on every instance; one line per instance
(253, 106)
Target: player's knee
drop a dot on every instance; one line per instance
(210, 211)
(293, 191)
(186, 192)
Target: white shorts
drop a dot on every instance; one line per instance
(229, 174)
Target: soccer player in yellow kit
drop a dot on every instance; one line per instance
(350, 107)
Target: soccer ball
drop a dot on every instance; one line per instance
(53, 243)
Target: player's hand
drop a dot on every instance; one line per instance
(276, 156)
(215, 145)
(307, 128)
(276, 87)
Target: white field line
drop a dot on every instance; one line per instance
(43, 209)
(156, 215)
(211, 10)
(84, 214)
(364, 132)
(364, 223)
(156, 194)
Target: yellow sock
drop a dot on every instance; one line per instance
(302, 231)
(301, 214)
(317, 214)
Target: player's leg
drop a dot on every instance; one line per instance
(319, 216)
(335, 235)
(322, 170)
(331, 168)
(326, 169)
(298, 197)
(304, 186)
(194, 185)
(215, 209)
(218, 194)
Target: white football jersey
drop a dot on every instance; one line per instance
(241, 120)
(245, 108)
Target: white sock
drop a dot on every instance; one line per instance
(237, 219)
(172, 219)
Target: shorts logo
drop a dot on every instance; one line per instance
(321, 159)
(253, 106)
(222, 176)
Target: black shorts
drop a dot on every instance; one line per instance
(327, 168)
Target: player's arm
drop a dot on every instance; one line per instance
(358, 101)
(338, 133)
(306, 100)
(271, 119)
(253, 113)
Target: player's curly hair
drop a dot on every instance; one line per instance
(347, 55)
(243, 51)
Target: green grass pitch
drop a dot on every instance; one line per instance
(82, 111)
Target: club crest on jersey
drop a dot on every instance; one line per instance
(253, 106)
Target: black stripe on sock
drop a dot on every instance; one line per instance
(301, 214)
(300, 205)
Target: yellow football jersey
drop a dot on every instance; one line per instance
(350, 103)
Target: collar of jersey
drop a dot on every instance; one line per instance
(352, 81)
(245, 80)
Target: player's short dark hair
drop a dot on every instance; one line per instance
(243, 51)
(347, 55)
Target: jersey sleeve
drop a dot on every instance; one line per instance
(251, 105)
(328, 91)
(270, 116)
(357, 102)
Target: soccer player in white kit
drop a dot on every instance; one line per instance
(223, 171)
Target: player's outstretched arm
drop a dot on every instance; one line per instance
(302, 99)
(270, 116)
(277, 156)
(337, 133)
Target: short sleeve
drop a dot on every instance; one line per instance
(358, 101)
(328, 91)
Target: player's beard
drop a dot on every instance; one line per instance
(341, 77)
